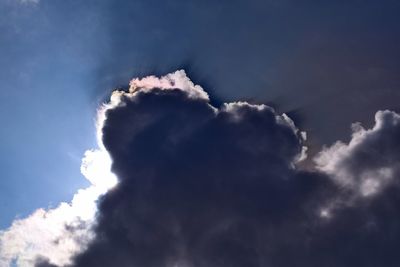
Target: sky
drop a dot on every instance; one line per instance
(291, 74)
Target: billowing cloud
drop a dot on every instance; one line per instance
(55, 235)
(370, 161)
(218, 186)
(173, 80)
(199, 185)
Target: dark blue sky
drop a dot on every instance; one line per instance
(328, 63)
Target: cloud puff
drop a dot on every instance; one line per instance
(57, 234)
(370, 161)
(177, 79)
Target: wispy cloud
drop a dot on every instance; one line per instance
(35, 2)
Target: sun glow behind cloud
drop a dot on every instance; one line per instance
(349, 175)
(57, 234)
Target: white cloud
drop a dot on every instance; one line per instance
(177, 79)
(47, 233)
(364, 167)
(368, 163)
(174, 80)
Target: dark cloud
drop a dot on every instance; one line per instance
(199, 186)
(218, 187)
(302, 56)
(43, 262)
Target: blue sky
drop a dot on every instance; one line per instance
(47, 111)
(60, 59)
(326, 64)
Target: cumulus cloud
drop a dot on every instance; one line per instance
(55, 235)
(370, 161)
(177, 79)
(218, 186)
(198, 185)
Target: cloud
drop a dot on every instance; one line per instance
(218, 186)
(35, 2)
(198, 185)
(370, 161)
(57, 234)
(177, 79)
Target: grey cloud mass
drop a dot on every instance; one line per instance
(210, 186)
